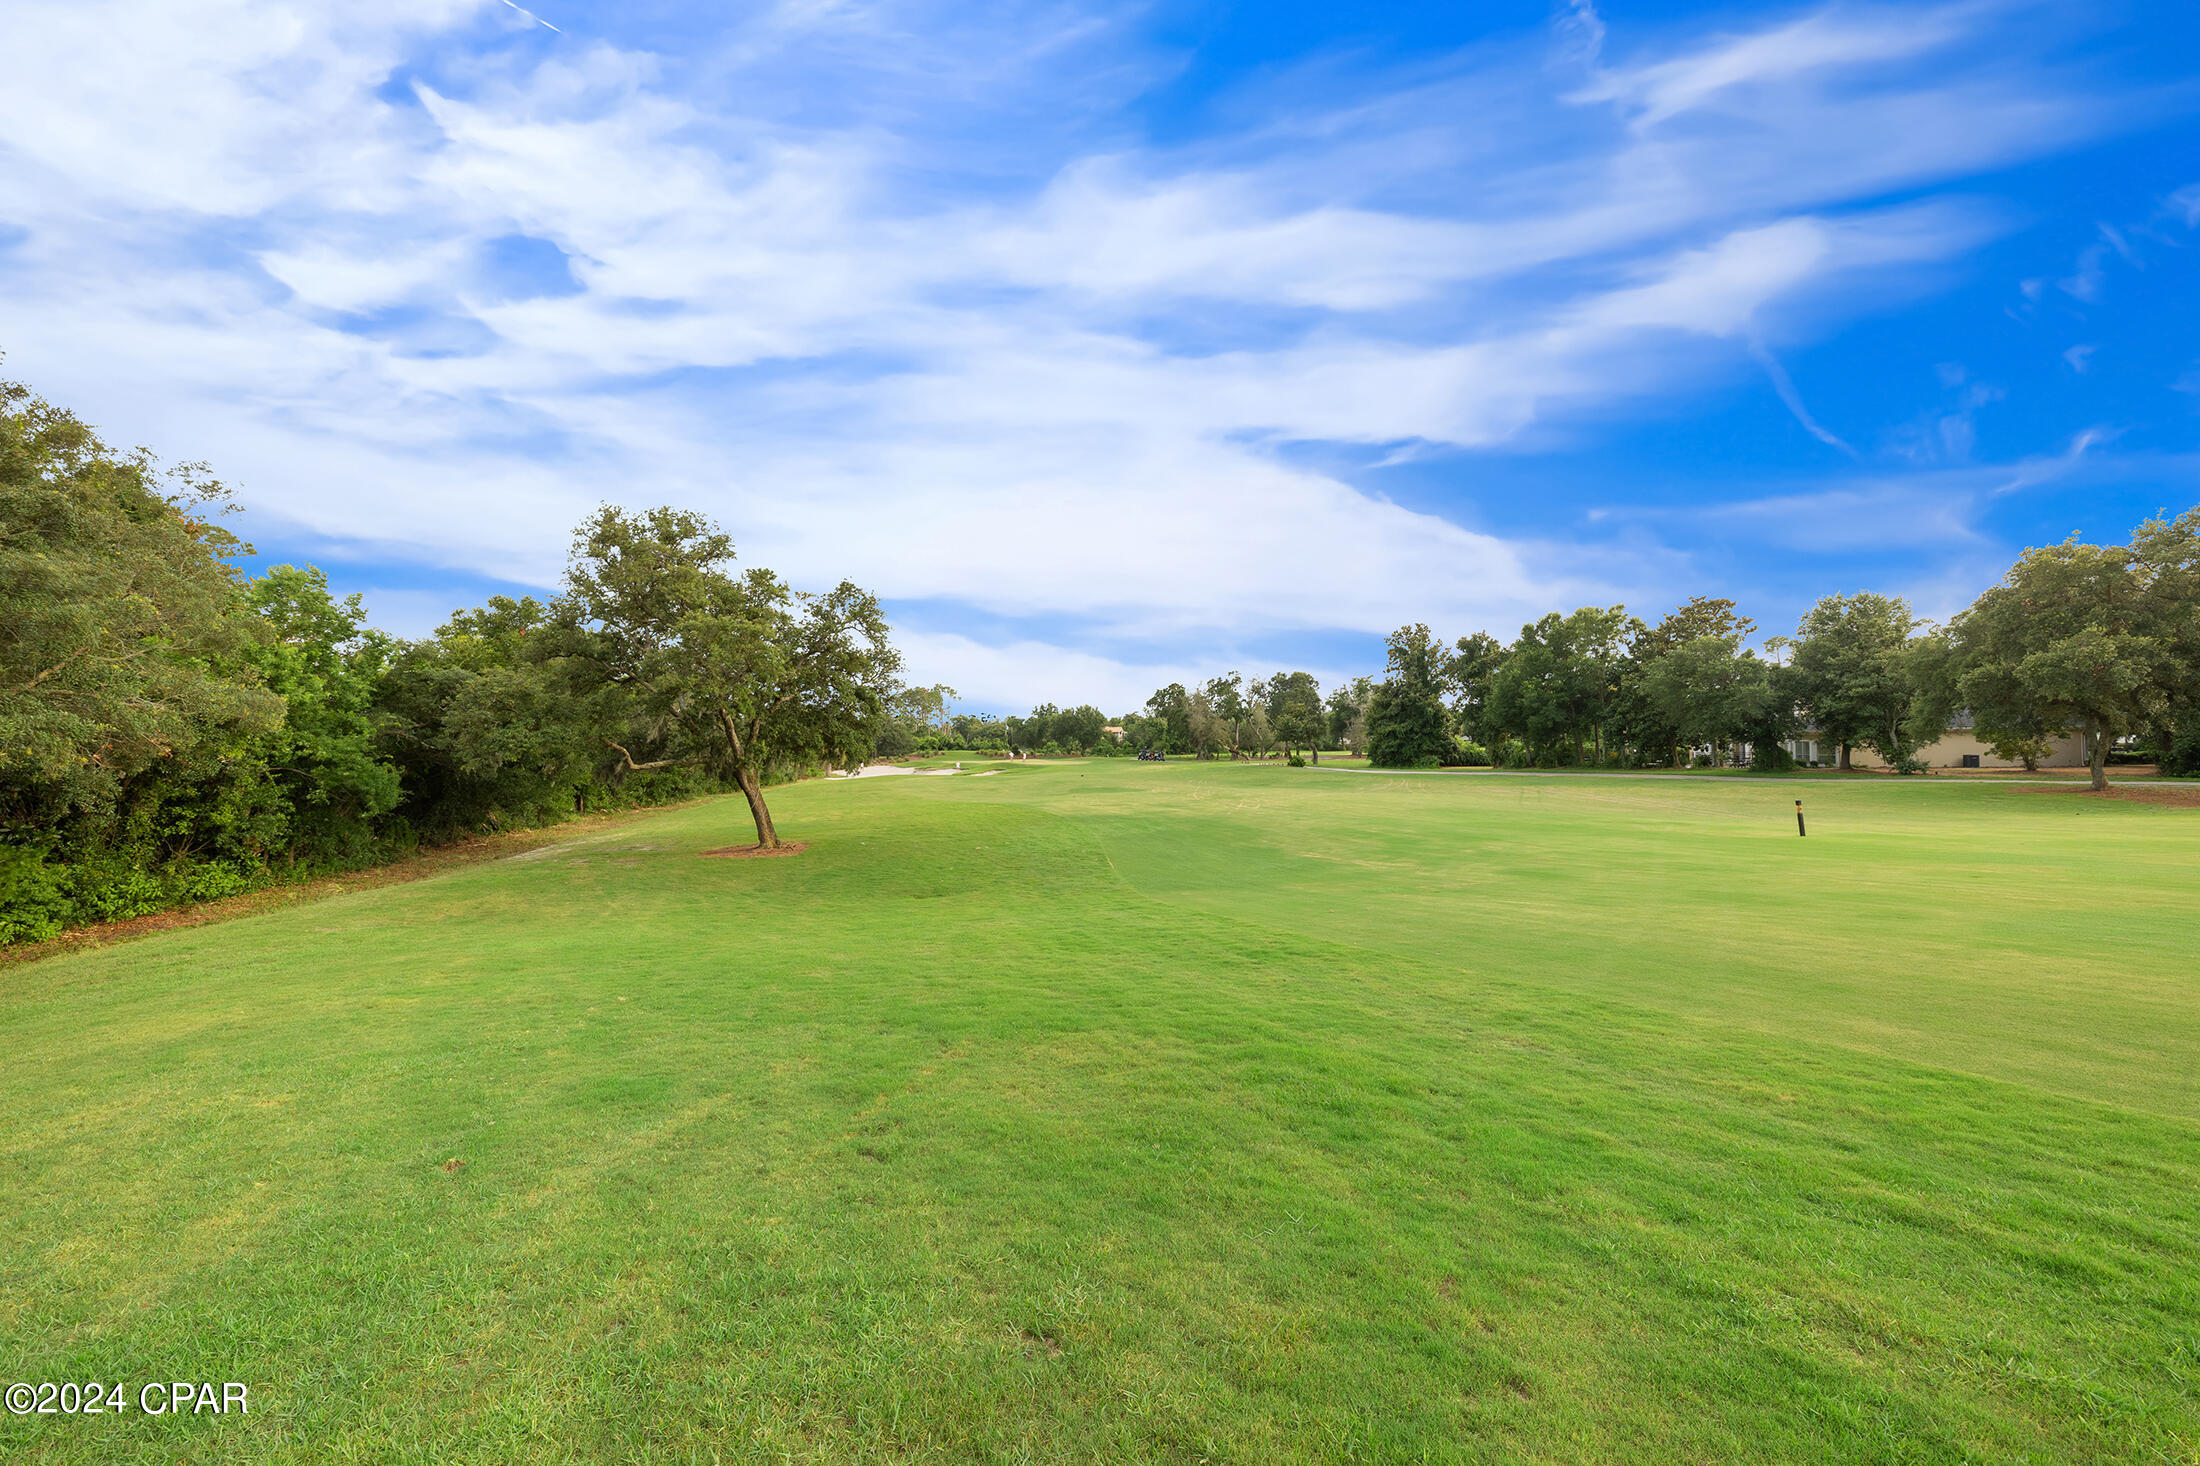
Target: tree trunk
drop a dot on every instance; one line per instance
(1844, 758)
(2097, 737)
(752, 788)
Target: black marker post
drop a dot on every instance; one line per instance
(1799, 819)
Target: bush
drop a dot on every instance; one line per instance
(1296, 762)
(34, 896)
(110, 887)
(1472, 755)
(1770, 758)
(188, 883)
(2182, 758)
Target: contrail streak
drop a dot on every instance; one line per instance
(538, 20)
(1785, 386)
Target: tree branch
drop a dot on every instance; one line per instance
(662, 763)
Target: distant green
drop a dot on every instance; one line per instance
(1113, 1111)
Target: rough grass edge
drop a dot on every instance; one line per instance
(469, 850)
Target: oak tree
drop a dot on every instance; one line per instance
(736, 673)
(1853, 674)
(2100, 637)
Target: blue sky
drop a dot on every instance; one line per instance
(1119, 344)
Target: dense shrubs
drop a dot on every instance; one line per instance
(2181, 755)
(172, 731)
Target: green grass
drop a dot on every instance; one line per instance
(1108, 1111)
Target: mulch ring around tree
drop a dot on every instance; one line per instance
(751, 852)
(2183, 796)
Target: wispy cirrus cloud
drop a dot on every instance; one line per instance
(898, 293)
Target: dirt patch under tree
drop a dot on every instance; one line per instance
(2177, 796)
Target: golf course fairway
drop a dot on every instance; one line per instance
(1112, 1111)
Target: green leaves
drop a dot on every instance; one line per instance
(1407, 726)
(736, 674)
(2103, 637)
(1295, 714)
(122, 631)
(1559, 685)
(1853, 672)
(1710, 691)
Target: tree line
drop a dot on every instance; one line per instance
(2101, 641)
(174, 730)
(1229, 715)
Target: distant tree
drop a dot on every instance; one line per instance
(1294, 707)
(2166, 559)
(1346, 711)
(2007, 721)
(1079, 729)
(1407, 726)
(1039, 727)
(1711, 692)
(924, 709)
(1700, 617)
(1144, 734)
(1256, 736)
(736, 674)
(1467, 674)
(1853, 667)
(1652, 735)
(1558, 688)
(2094, 636)
(1205, 729)
(1226, 700)
(1168, 708)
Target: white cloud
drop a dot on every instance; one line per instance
(1939, 507)
(1022, 674)
(1781, 56)
(1038, 382)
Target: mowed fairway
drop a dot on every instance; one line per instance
(1115, 1112)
